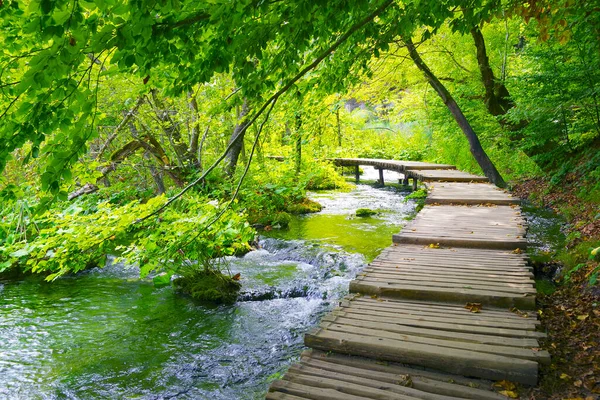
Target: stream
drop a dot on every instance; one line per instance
(105, 333)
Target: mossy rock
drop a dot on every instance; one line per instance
(209, 286)
(306, 206)
(365, 212)
(280, 218)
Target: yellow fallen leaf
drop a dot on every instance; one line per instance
(564, 376)
(504, 384)
(582, 317)
(509, 393)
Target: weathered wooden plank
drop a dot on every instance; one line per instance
(313, 393)
(437, 384)
(391, 367)
(466, 318)
(473, 281)
(436, 333)
(508, 351)
(386, 392)
(367, 382)
(282, 396)
(456, 295)
(448, 326)
(466, 242)
(442, 274)
(449, 267)
(437, 305)
(433, 283)
(465, 362)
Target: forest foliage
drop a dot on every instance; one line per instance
(144, 128)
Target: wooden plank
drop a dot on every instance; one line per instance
(456, 295)
(482, 315)
(436, 333)
(417, 274)
(367, 382)
(464, 362)
(431, 385)
(509, 351)
(282, 396)
(437, 283)
(449, 268)
(465, 242)
(393, 368)
(473, 281)
(464, 318)
(313, 393)
(447, 326)
(348, 388)
(424, 304)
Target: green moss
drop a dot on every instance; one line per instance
(544, 286)
(306, 206)
(280, 218)
(209, 286)
(365, 212)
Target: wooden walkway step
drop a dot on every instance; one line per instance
(444, 175)
(468, 194)
(441, 336)
(459, 275)
(496, 227)
(320, 375)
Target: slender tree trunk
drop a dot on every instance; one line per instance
(201, 147)
(497, 98)
(339, 127)
(192, 152)
(298, 159)
(237, 138)
(156, 173)
(489, 169)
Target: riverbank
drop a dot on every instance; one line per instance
(571, 313)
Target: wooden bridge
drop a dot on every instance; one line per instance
(441, 314)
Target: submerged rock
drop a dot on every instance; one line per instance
(365, 212)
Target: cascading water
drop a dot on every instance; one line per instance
(106, 334)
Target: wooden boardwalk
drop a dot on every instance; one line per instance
(441, 313)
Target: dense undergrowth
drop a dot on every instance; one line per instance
(184, 239)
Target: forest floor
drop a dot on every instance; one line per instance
(571, 314)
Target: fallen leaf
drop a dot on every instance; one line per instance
(564, 376)
(504, 384)
(509, 393)
(236, 277)
(473, 307)
(582, 317)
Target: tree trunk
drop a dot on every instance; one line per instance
(339, 127)
(298, 159)
(489, 169)
(156, 174)
(497, 98)
(192, 152)
(237, 138)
